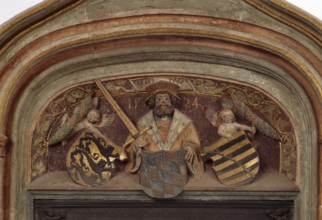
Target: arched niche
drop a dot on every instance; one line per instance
(194, 47)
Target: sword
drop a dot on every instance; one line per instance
(135, 133)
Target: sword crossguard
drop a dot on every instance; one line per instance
(135, 136)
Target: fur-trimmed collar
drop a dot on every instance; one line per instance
(179, 122)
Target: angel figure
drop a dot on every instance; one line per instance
(233, 153)
(84, 116)
(92, 122)
(229, 127)
(91, 157)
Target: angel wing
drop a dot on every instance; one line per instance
(67, 123)
(262, 126)
(211, 115)
(107, 119)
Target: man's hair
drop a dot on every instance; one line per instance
(175, 101)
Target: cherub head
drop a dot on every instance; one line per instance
(93, 116)
(227, 116)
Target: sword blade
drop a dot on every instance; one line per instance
(127, 122)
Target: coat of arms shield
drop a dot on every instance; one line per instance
(163, 174)
(235, 161)
(91, 159)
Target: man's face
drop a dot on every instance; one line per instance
(162, 100)
(163, 105)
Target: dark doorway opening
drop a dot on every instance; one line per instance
(162, 209)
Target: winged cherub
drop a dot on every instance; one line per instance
(92, 121)
(228, 126)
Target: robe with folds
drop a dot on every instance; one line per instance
(182, 134)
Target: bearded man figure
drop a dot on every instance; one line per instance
(168, 148)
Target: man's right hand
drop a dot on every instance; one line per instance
(141, 141)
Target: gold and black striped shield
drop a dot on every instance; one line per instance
(235, 161)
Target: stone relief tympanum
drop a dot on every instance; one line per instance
(166, 129)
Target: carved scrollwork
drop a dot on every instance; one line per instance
(288, 155)
(50, 119)
(207, 87)
(272, 114)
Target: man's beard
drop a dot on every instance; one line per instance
(162, 111)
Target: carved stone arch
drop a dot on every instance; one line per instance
(53, 56)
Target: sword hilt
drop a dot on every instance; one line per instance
(126, 144)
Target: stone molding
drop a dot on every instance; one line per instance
(3, 143)
(235, 35)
